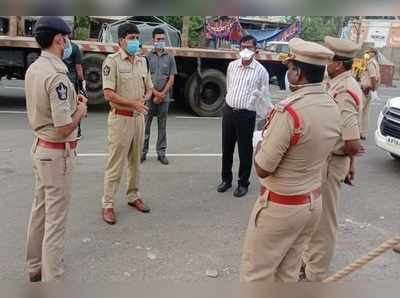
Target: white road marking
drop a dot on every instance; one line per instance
(13, 87)
(363, 225)
(13, 112)
(154, 154)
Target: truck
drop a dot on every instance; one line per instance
(200, 82)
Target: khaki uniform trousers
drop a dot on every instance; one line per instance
(46, 231)
(125, 145)
(365, 114)
(319, 253)
(275, 240)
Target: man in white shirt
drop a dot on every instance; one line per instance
(244, 76)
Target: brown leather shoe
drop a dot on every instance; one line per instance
(397, 248)
(140, 206)
(35, 276)
(109, 216)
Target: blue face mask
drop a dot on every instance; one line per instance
(132, 46)
(159, 45)
(67, 50)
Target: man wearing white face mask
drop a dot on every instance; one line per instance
(243, 77)
(54, 111)
(163, 70)
(127, 86)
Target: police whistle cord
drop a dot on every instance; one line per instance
(361, 262)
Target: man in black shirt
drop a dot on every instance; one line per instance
(73, 61)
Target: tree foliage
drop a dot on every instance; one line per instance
(81, 27)
(196, 26)
(316, 28)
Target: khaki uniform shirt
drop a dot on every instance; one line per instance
(349, 110)
(50, 97)
(296, 169)
(372, 71)
(128, 79)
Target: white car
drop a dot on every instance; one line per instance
(387, 135)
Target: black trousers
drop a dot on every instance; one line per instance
(161, 112)
(237, 126)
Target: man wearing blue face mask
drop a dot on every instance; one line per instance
(163, 70)
(127, 86)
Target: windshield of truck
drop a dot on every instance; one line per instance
(172, 38)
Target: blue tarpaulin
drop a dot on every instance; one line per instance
(284, 34)
(264, 35)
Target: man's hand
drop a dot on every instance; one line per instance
(361, 151)
(158, 93)
(366, 90)
(157, 100)
(350, 176)
(82, 99)
(158, 96)
(140, 106)
(81, 108)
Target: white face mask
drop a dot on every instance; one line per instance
(246, 54)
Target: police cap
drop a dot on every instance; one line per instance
(53, 24)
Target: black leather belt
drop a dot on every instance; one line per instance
(236, 110)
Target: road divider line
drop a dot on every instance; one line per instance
(14, 87)
(13, 112)
(155, 155)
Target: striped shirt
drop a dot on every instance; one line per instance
(242, 81)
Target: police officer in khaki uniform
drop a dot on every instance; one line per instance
(127, 85)
(339, 167)
(54, 111)
(370, 81)
(300, 134)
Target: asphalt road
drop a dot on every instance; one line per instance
(191, 228)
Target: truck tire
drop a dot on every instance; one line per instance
(396, 157)
(92, 66)
(281, 81)
(208, 99)
(31, 57)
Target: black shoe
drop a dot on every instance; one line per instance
(163, 160)
(35, 276)
(241, 191)
(224, 186)
(143, 158)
